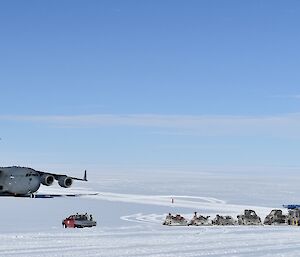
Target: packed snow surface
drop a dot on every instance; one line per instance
(130, 209)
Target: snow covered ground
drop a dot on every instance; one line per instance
(141, 241)
(129, 209)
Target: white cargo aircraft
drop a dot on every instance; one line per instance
(23, 181)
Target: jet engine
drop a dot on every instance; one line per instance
(47, 179)
(65, 181)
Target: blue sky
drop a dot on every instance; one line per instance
(150, 85)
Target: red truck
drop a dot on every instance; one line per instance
(79, 221)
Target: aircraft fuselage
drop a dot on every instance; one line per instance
(19, 181)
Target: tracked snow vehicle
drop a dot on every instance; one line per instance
(79, 221)
(200, 220)
(293, 218)
(275, 218)
(249, 218)
(224, 220)
(176, 220)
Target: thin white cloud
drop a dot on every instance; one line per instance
(282, 125)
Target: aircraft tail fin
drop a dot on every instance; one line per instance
(85, 176)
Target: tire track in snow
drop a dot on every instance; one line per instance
(196, 203)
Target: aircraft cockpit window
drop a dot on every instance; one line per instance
(31, 175)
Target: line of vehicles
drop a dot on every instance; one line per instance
(248, 217)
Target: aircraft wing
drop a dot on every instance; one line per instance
(57, 176)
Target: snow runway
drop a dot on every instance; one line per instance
(183, 242)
